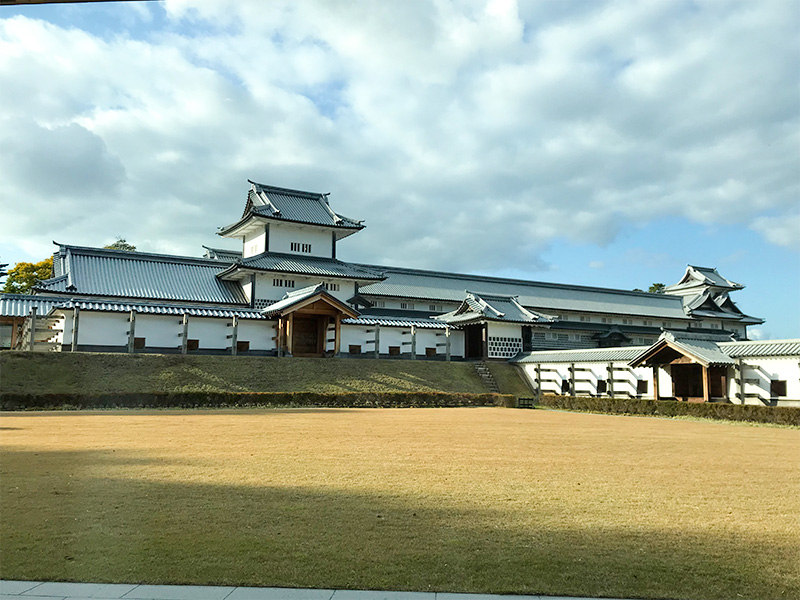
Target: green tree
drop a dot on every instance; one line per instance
(121, 244)
(656, 288)
(24, 275)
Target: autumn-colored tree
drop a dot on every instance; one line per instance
(121, 244)
(24, 275)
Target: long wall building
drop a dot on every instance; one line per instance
(285, 293)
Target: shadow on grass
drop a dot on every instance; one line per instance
(64, 519)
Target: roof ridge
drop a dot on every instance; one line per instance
(290, 191)
(453, 275)
(137, 255)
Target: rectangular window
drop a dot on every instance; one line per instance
(647, 323)
(138, 343)
(298, 247)
(585, 318)
(283, 283)
(606, 320)
(641, 387)
(380, 304)
(192, 345)
(430, 352)
(407, 305)
(242, 347)
(602, 386)
(354, 349)
(565, 386)
(331, 287)
(394, 350)
(777, 388)
(627, 321)
(665, 323)
(435, 307)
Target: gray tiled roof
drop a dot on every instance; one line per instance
(538, 296)
(222, 254)
(604, 355)
(162, 309)
(761, 348)
(19, 305)
(295, 205)
(395, 321)
(492, 307)
(703, 276)
(315, 266)
(116, 273)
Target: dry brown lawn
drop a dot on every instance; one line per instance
(483, 500)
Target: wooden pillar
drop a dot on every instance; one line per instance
(610, 379)
(485, 340)
(279, 340)
(32, 333)
(413, 342)
(185, 333)
(538, 381)
(131, 330)
(740, 379)
(234, 334)
(337, 335)
(16, 323)
(289, 334)
(76, 313)
(447, 342)
(377, 334)
(655, 382)
(705, 383)
(572, 379)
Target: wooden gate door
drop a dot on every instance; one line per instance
(305, 336)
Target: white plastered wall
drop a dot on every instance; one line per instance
(258, 332)
(98, 328)
(266, 290)
(505, 339)
(281, 237)
(254, 243)
(553, 374)
(759, 373)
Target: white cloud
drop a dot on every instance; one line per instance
(463, 132)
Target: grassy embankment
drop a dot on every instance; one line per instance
(472, 500)
(41, 373)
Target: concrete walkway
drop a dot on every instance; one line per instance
(16, 590)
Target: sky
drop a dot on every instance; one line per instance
(579, 141)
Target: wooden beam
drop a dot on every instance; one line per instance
(538, 382)
(76, 313)
(655, 382)
(377, 340)
(32, 332)
(485, 340)
(572, 379)
(447, 342)
(337, 335)
(15, 325)
(413, 342)
(610, 380)
(705, 384)
(234, 335)
(740, 378)
(280, 336)
(185, 333)
(289, 334)
(131, 330)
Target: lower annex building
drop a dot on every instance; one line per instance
(286, 294)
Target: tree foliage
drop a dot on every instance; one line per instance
(656, 288)
(24, 275)
(121, 244)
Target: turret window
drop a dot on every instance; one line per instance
(331, 287)
(289, 283)
(298, 247)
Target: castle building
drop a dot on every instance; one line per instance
(287, 294)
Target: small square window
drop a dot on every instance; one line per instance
(138, 343)
(777, 388)
(429, 352)
(242, 346)
(192, 345)
(394, 350)
(354, 349)
(602, 386)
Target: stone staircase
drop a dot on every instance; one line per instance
(486, 376)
